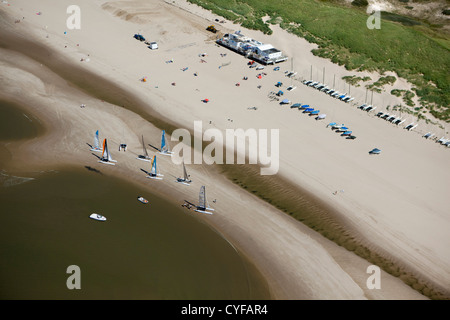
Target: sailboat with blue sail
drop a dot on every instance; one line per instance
(164, 145)
(96, 146)
(154, 173)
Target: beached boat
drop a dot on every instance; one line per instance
(142, 199)
(97, 217)
(165, 150)
(96, 146)
(342, 129)
(321, 116)
(202, 203)
(106, 155)
(331, 124)
(185, 180)
(144, 156)
(154, 173)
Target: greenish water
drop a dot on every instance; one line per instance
(152, 251)
(16, 124)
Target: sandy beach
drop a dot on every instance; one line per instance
(395, 204)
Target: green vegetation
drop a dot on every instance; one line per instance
(353, 80)
(360, 3)
(381, 82)
(407, 96)
(411, 49)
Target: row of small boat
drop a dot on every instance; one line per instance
(397, 120)
(309, 110)
(342, 129)
(443, 141)
(331, 92)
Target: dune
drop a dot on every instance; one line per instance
(393, 204)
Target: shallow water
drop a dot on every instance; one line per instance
(15, 124)
(152, 251)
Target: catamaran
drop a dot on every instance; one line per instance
(164, 145)
(96, 146)
(144, 156)
(185, 180)
(106, 156)
(154, 173)
(201, 207)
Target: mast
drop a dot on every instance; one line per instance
(186, 177)
(143, 146)
(202, 198)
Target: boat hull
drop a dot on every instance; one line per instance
(107, 162)
(203, 211)
(143, 200)
(184, 182)
(97, 217)
(158, 177)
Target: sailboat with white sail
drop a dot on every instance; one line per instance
(144, 156)
(154, 173)
(96, 146)
(202, 206)
(164, 145)
(185, 179)
(106, 155)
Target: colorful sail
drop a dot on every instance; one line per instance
(105, 149)
(96, 141)
(106, 156)
(164, 147)
(154, 172)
